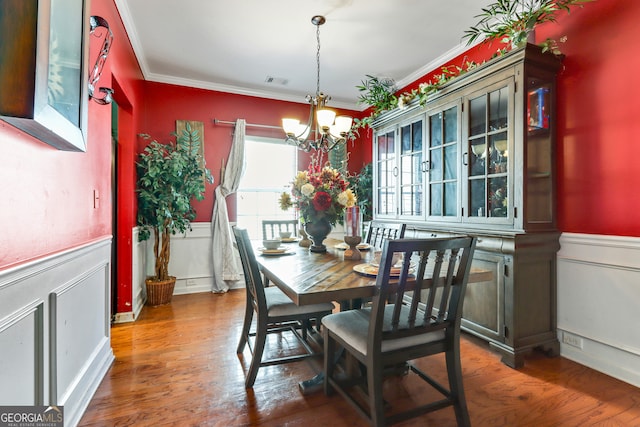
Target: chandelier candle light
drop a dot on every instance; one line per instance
(324, 131)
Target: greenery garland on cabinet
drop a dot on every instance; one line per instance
(509, 21)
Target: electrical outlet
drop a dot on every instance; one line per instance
(191, 282)
(572, 340)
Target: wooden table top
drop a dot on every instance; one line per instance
(309, 278)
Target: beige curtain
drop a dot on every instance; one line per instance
(226, 266)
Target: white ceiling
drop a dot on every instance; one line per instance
(234, 45)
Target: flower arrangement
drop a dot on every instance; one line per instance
(319, 192)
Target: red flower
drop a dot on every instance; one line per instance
(322, 201)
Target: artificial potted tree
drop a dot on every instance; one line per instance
(170, 176)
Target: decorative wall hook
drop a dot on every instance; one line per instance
(95, 22)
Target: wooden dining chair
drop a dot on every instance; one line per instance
(274, 313)
(388, 335)
(380, 231)
(271, 228)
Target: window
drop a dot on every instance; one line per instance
(271, 165)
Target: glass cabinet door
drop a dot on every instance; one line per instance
(411, 174)
(487, 157)
(386, 173)
(442, 162)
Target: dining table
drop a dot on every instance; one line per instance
(310, 278)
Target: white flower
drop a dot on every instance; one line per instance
(401, 104)
(347, 198)
(307, 189)
(343, 198)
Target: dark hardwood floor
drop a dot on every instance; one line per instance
(177, 365)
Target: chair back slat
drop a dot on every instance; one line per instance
(379, 231)
(451, 271)
(435, 303)
(417, 294)
(271, 228)
(431, 293)
(253, 279)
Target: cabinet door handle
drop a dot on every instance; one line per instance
(395, 171)
(425, 166)
(465, 159)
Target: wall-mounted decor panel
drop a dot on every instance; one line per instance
(598, 300)
(78, 329)
(54, 328)
(21, 358)
(43, 72)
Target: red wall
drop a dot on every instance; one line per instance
(598, 119)
(164, 104)
(47, 194)
(122, 73)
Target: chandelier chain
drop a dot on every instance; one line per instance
(318, 61)
(333, 131)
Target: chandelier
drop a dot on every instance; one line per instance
(324, 131)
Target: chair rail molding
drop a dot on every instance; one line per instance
(598, 300)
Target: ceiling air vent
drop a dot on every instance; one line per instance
(276, 81)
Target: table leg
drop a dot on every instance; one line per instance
(316, 383)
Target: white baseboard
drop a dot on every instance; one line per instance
(124, 317)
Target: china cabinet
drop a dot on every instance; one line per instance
(479, 159)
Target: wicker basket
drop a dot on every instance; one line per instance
(159, 293)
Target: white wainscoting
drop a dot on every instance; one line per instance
(191, 263)
(599, 302)
(138, 274)
(55, 329)
(191, 260)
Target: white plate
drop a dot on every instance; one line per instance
(280, 250)
(372, 270)
(289, 239)
(342, 246)
(412, 264)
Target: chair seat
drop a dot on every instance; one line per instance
(352, 326)
(279, 304)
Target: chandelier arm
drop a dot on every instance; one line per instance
(308, 128)
(334, 142)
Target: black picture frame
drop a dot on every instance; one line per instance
(43, 72)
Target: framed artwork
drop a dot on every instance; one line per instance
(198, 127)
(43, 72)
